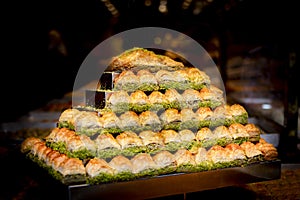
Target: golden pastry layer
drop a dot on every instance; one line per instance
(121, 168)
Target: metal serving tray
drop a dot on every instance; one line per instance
(180, 183)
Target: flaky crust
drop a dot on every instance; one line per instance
(121, 164)
(138, 57)
(184, 157)
(96, 166)
(164, 159)
(141, 162)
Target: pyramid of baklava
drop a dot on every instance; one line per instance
(151, 115)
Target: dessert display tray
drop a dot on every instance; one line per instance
(180, 183)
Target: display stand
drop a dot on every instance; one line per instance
(181, 183)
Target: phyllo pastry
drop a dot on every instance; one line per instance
(60, 135)
(197, 79)
(222, 135)
(130, 142)
(168, 79)
(80, 147)
(118, 101)
(85, 122)
(51, 156)
(147, 81)
(143, 164)
(62, 167)
(187, 135)
(172, 140)
(72, 166)
(188, 139)
(165, 162)
(189, 119)
(110, 122)
(268, 149)
(235, 114)
(173, 99)
(229, 156)
(88, 123)
(140, 58)
(58, 138)
(104, 141)
(185, 160)
(107, 146)
(129, 121)
(221, 132)
(99, 171)
(227, 115)
(253, 131)
(150, 121)
(217, 154)
(127, 80)
(171, 119)
(43, 156)
(139, 101)
(123, 168)
(152, 140)
(238, 131)
(67, 118)
(237, 110)
(205, 117)
(157, 100)
(68, 142)
(90, 147)
(57, 161)
(211, 97)
(121, 164)
(251, 151)
(191, 98)
(201, 156)
(129, 139)
(218, 116)
(38, 148)
(205, 137)
(235, 152)
(28, 143)
(74, 143)
(67, 170)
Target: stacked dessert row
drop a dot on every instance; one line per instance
(91, 122)
(95, 170)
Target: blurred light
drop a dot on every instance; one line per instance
(157, 40)
(266, 106)
(148, 2)
(168, 36)
(198, 8)
(186, 4)
(111, 8)
(163, 6)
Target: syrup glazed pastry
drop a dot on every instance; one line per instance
(142, 69)
(143, 59)
(160, 117)
(139, 101)
(161, 80)
(122, 168)
(129, 143)
(91, 123)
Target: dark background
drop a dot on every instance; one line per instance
(31, 74)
